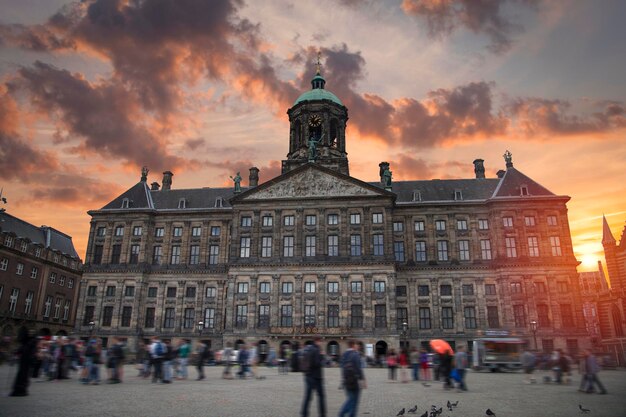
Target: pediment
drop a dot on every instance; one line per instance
(312, 182)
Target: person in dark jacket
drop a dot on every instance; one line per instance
(314, 378)
(445, 367)
(26, 352)
(352, 379)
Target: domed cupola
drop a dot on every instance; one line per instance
(318, 125)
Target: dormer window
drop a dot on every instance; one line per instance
(125, 203)
(458, 195)
(219, 202)
(182, 203)
(524, 190)
(417, 195)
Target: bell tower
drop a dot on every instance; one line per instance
(317, 130)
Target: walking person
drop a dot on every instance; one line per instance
(353, 379)
(592, 368)
(157, 353)
(313, 377)
(461, 363)
(403, 362)
(445, 367)
(415, 363)
(169, 356)
(26, 352)
(201, 353)
(528, 363)
(226, 354)
(93, 355)
(242, 359)
(392, 364)
(183, 358)
(424, 365)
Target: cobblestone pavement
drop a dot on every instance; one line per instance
(280, 396)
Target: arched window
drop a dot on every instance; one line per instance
(297, 133)
(617, 321)
(334, 133)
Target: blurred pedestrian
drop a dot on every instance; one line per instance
(392, 364)
(528, 363)
(314, 377)
(352, 379)
(591, 371)
(415, 363)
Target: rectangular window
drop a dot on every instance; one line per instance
(400, 290)
(127, 313)
(266, 246)
(242, 288)
(377, 218)
(485, 249)
(66, 310)
(380, 316)
(265, 287)
(97, 254)
(398, 251)
(398, 227)
(152, 292)
(483, 224)
(467, 289)
(246, 221)
(194, 254)
(159, 232)
(490, 289)
(379, 286)
(150, 313)
(355, 245)
(289, 220)
(424, 313)
(511, 249)
(116, 251)
(333, 245)
(241, 317)
(196, 231)
(119, 231)
(470, 317)
(333, 287)
(244, 251)
(48, 307)
(555, 244)
(88, 317)
(62, 280)
(171, 292)
(379, 247)
(175, 259)
(157, 255)
(70, 283)
(211, 292)
(190, 292)
(309, 246)
(551, 220)
(129, 291)
(4, 264)
(15, 293)
(423, 290)
(267, 221)
(19, 270)
(134, 254)
(493, 321)
(533, 247)
(543, 316)
(310, 220)
(216, 230)
(507, 221)
(287, 288)
(445, 289)
(286, 316)
(28, 303)
(107, 316)
(309, 316)
(419, 225)
(169, 319)
(442, 250)
(519, 316)
(189, 318)
(355, 218)
(110, 291)
(214, 254)
(356, 316)
(91, 291)
(101, 231)
(447, 318)
(356, 286)
(209, 318)
(440, 225)
(177, 231)
(420, 251)
(562, 287)
(516, 288)
(309, 287)
(53, 277)
(464, 252)
(461, 225)
(402, 316)
(566, 315)
(540, 287)
(288, 244)
(529, 221)
(333, 219)
(264, 316)
(137, 231)
(333, 316)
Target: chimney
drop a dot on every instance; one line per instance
(155, 186)
(501, 173)
(254, 177)
(167, 180)
(479, 168)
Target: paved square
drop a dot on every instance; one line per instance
(281, 395)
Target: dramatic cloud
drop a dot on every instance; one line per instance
(405, 167)
(479, 16)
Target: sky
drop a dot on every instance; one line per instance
(92, 91)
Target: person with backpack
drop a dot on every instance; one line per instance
(116, 361)
(352, 379)
(183, 357)
(168, 358)
(242, 359)
(201, 354)
(311, 364)
(157, 353)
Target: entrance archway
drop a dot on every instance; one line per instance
(61, 333)
(238, 344)
(381, 351)
(7, 330)
(263, 350)
(332, 349)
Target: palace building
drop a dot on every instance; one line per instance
(316, 251)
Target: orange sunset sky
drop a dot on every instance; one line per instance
(91, 91)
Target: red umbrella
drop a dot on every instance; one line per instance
(441, 346)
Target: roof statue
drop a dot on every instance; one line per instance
(508, 158)
(237, 181)
(2, 199)
(144, 173)
(313, 147)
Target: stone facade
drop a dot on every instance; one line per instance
(315, 251)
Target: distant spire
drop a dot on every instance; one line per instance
(318, 66)
(607, 236)
(318, 81)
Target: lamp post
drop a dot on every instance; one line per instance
(533, 328)
(405, 329)
(92, 326)
(200, 327)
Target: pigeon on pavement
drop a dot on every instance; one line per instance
(490, 413)
(583, 410)
(413, 410)
(401, 413)
(425, 414)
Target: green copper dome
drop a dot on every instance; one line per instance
(318, 94)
